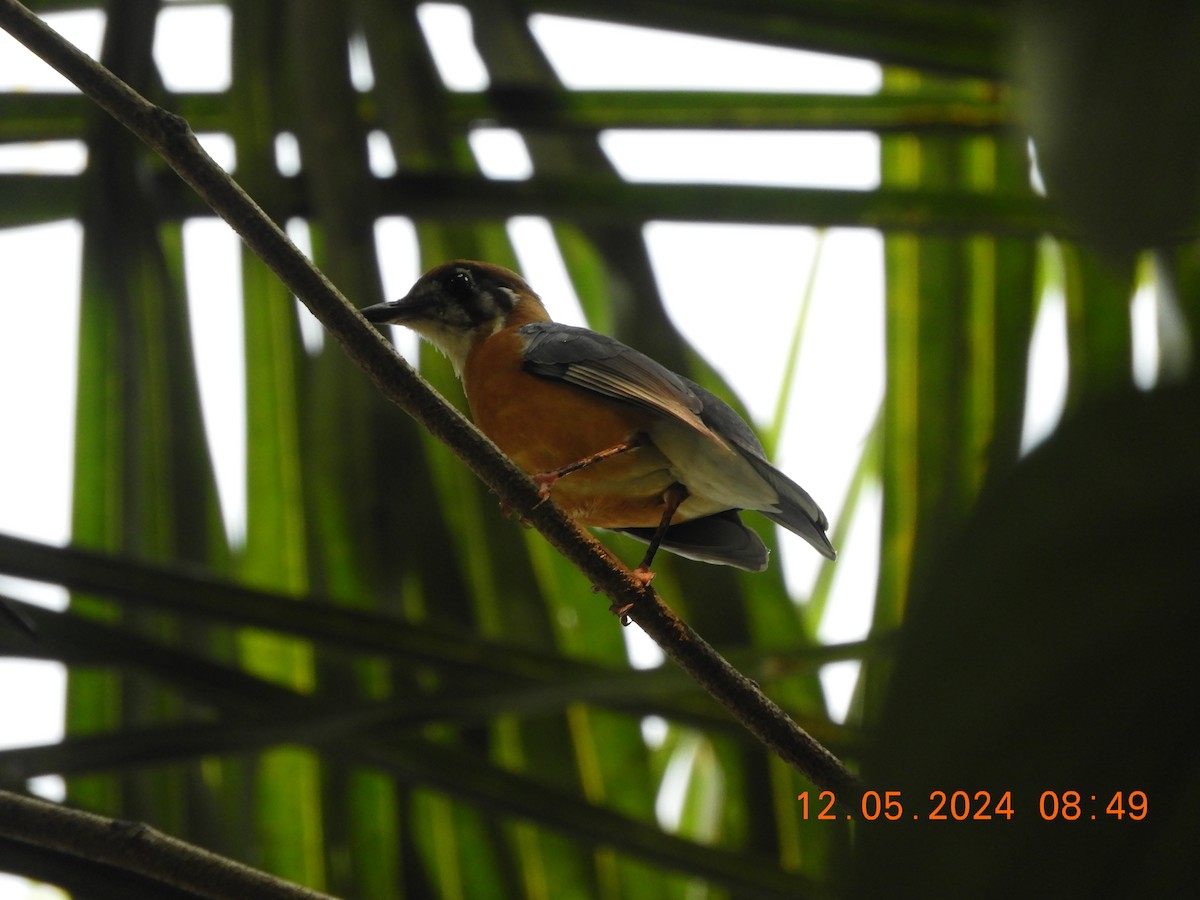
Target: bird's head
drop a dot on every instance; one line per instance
(457, 304)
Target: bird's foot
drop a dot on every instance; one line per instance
(642, 575)
(545, 482)
(621, 611)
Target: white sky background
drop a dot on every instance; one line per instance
(704, 271)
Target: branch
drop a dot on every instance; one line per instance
(97, 844)
(170, 136)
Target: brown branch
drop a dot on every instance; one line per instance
(170, 136)
(131, 847)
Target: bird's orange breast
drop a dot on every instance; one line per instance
(543, 425)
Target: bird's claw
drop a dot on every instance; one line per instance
(545, 482)
(643, 576)
(621, 610)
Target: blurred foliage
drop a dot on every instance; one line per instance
(388, 691)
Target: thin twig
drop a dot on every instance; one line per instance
(171, 137)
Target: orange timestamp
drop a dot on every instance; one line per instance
(978, 806)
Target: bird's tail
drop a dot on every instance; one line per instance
(797, 511)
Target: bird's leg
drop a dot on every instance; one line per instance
(672, 498)
(546, 480)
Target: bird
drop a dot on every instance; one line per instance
(619, 441)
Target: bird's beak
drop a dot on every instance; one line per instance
(413, 306)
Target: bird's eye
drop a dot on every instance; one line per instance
(461, 284)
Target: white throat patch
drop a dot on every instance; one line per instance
(454, 343)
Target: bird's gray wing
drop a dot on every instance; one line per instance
(602, 364)
(599, 363)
